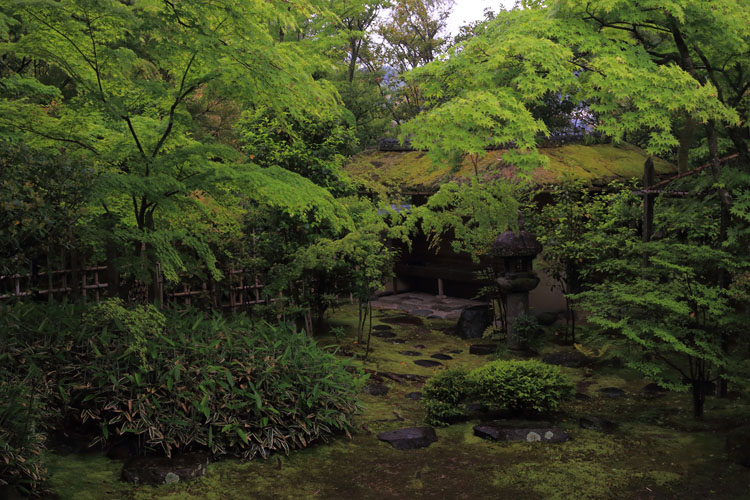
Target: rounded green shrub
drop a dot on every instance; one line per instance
(443, 395)
(522, 386)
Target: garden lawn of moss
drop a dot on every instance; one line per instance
(658, 452)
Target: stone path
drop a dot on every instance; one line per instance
(426, 305)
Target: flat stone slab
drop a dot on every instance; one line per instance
(420, 346)
(382, 327)
(529, 432)
(410, 353)
(383, 334)
(482, 349)
(396, 341)
(428, 363)
(414, 396)
(409, 438)
(164, 470)
(403, 320)
(376, 389)
(597, 424)
(612, 392)
(456, 351)
(444, 357)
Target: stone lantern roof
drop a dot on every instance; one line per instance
(520, 244)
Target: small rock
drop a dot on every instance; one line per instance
(477, 408)
(473, 322)
(382, 327)
(375, 389)
(410, 353)
(597, 424)
(527, 431)
(420, 346)
(612, 392)
(456, 351)
(738, 445)
(582, 397)
(414, 396)
(427, 363)
(383, 334)
(163, 470)
(653, 390)
(482, 349)
(409, 438)
(571, 359)
(396, 341)
(443, 357)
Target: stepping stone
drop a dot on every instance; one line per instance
(410, 353)
(403, 320)
(420, 346)
(409, 438)
(414, 396)
(482, 349)
(421, 312)
(396, 341)
(582, 397)
(376, 389)
(456, 351)
(444, 357)
(427, 363)
(163, 470)
(383, 335)
(597, 424)
(526, 431)
(571, 359)
(382, 327)
(612, 392)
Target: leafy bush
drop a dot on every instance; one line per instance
(524, 386)
(21, 439)
(526, 330)
(443, 395)
(185, 380)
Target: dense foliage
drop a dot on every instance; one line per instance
(525, 387)
(443, 396)
(169, 383)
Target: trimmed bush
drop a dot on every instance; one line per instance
(522, 386)
(442, 396)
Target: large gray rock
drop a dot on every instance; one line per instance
(409, 438)
(473, 322)
(738, 445)
(164, 470)
(520, 431)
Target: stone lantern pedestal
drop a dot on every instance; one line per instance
(514, 254)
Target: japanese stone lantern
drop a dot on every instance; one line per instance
(513, 254)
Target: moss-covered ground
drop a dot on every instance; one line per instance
(658, 452)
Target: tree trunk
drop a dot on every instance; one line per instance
(699, 397)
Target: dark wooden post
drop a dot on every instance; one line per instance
(649, 179)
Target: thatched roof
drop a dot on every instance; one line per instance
(414, 172)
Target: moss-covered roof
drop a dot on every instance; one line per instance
(414, 171)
